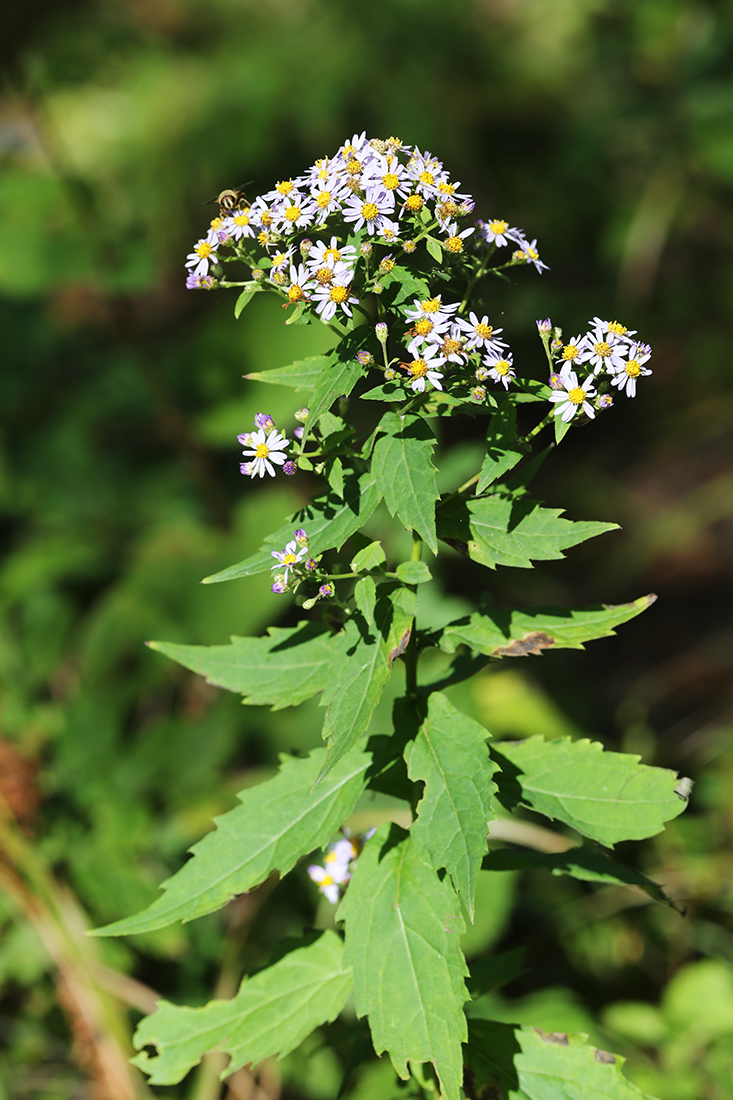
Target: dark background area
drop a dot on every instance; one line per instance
(603, 128)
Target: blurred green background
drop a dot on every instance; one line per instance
(602, 127)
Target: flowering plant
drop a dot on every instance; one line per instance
(371, 244)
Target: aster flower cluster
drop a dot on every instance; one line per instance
(293, 565)
(608, 354)
(265, 448)
(339, 860)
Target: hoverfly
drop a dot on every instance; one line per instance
(230, 199)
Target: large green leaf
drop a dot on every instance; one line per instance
(607, 796)
(510, 633)
(328, 519)
(507, 530)
(277, 822)
(341, 374)
(303, 374)
(584, 863)
(449, 754)
(271, 1014)
(280, 670)
(502, 451)
(402, 929)
(404, 472)
(526, 1063)
(370, 642)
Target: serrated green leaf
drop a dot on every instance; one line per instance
(413, 572)
(506, 530)
(450, 756)
(586, 864)
(283, 669)
(526, 1063)
(270, 1016)
(390, 391)
(300, 375)
(402, 929)
(277, 822)
(369, 557)
(410, 286)
(328, 521)
(503, 451)
(336, 477)
(606, 796)
(510, 633)
(361, 667)
(245, 298)
(404, 472)
(337, 379)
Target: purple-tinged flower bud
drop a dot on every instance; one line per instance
(326, 590)
(544, 327)
(264, 420)
(311, 564)
(300, 535)
(223, 236)
(390, 375)
(245, 468)
(302, 415)
(290, 468)
(366, 248)
(258, 274)
(466, 207)
(605, 401)
(381, 332)
(305, 246)
(555, 381)
(556, 345)
(478, 393)
(298, 432)
(482, 374)
(278, 588)
(245, 439)
(386, 264)
(365, 358)
(377, 288)
(408, 247)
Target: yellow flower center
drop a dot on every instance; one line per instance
(323, 199)
(353, 167)
(418, 368)
(326, 881)
(216, 222)
(503, 367)
(413, 203)
(532, 253)
(279, 259)
(263, 238)
(324, 275)
(498, 226)
(577, 395)
(454, 244)
(369, 211)
(241, 219)
(386, 264)
(570, 352)
(446, 188)
(427, 178)
(204, 249)
(284, 187)
(296, 293)
(451, 346)
(391, 181)
(289, 559)
(448, 209)
(617, 328)
(389, 234)
(332, 254)
(262, 450)
(632, 368)
(484, 331)
(266, 217)
(430, 305)
(339, 294)
(292, 213)
(603, 349)
(423, 327)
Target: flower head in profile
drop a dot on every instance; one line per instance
(633, 368)
(287, 559)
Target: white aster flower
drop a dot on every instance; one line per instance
(288, 558)
(267, 447)
(366, 213)
(422, 369)
(434, 309)
(322, 254)
(299, 280)
(454, 241)
(331, 297)
(203, 254)
(296, 212)
(501, 370)
(451, 344)
(625, 377)
(497, 232)
(603, 351)
(327, 196)
(572, 350)
(528, 254)
(389, 230)
(573, 396)
(238, 225)
(613, 328)
(480, 333)
(327, 885)
(426, 172)
(384, 176)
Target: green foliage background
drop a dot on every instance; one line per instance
(600, 126)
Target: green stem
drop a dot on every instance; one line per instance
(538, 427)
(412, 652)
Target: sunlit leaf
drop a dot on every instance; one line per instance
(404, 472)
(300, 375)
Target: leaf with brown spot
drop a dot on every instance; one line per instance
(604, 1057)
(558, 1037)
(401, 646)
(534, 642)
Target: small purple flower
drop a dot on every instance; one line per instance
(298, 432)
(555, 381)
(245, 468)
(199, 282)
(326, 590)
(544, 327)
(265, 421)
(365, 248)
(365, 358)
(605, 401)
(245, 439)
(305, 246)
(381, 330)
(311, 564)
(278, 588)
(302, 415)
(290, 468)
(478, 393)
(300, 535)
(258, 274)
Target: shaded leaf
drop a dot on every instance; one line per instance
(526, 1063)
(283, 669)
(586, 864)
(450, 755)
(245, 298)
(337, 380)
(328, 520)
(404, 472)
(270, 1016)
(413, 572)
(607, 796)
(511, 633)
(277, 822)
(503, 451)
(369, 557)
(300, 375)
(361, 667)
(402, 928)
(505, 530)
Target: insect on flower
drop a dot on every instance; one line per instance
(230, 199)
